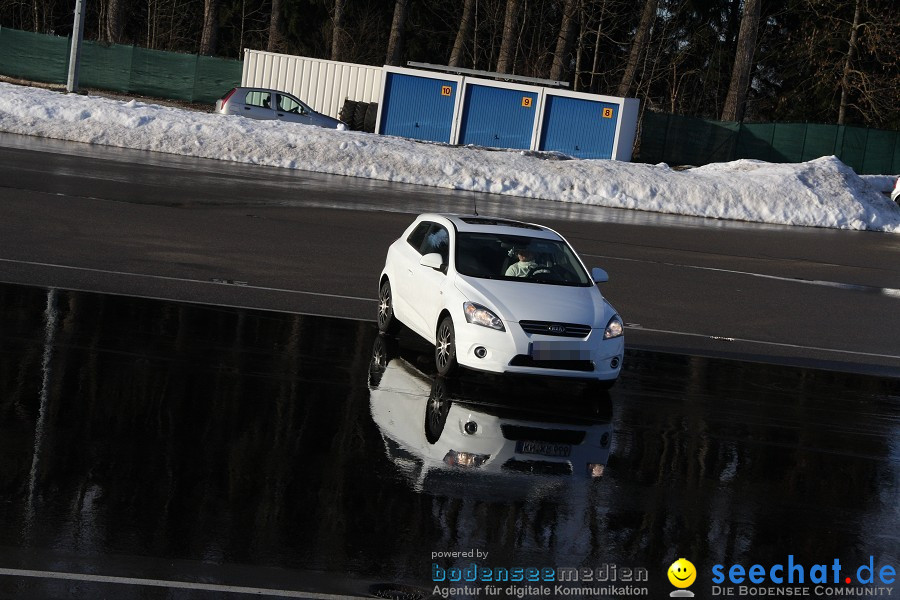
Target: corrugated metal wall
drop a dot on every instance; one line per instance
(323, 84)
(418, 107)
(499, 117)
(431, 106)
(579, 127)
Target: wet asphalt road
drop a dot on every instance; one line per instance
(152, 225)
(208, 452)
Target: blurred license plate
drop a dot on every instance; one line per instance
(543, 448)
(559, 351)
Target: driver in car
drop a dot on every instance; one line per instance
(525, 266)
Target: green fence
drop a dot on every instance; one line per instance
(679, 140)
(126, 69)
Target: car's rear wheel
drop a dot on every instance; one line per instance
(383, 351)
(387, 322)
(445, 347)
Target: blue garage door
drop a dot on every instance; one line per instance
(579, 128)
(418, 107)
(497, 117)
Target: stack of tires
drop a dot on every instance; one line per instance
(360, 116)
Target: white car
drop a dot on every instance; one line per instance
(895, 194)
(500, 296)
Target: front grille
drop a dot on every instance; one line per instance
(572, 330)
(523, 360)
(537, 467)
(539, 434)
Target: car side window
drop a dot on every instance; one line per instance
(437, 240)
(259, 99)
(288, 104)
(416, 238)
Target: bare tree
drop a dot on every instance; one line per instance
(736, 100)
(462, 36)
(274, 44)
(504, 61)
(210, 27)
(564, 40)
(596, 60)
(648, 16)
(115, 22)
(845, 76)
(395, 43)
(337, 30)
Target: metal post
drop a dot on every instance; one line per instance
(75, 55)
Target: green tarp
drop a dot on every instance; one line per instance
(125, 69)
(679, 140)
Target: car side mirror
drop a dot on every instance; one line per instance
(599, 275)
(433, 261)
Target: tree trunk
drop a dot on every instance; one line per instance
(115, 22)
(845, 78)
(465, 28)
(648, 16)
(337, 30)
(210, 27)
(274, 44)
(504, 62)
(736, 100)
(395, 43)
(579, 50)
(564, 41)
(596, 60)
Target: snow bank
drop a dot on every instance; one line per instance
(820, 193)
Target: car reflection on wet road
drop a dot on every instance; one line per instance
(448, 438)
(167, 443)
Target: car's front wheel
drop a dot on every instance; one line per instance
(436, 410)
(445, 347)
(387, 322)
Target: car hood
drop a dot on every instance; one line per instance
(325, 121)
(521, 301)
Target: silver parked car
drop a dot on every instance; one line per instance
(269, 105)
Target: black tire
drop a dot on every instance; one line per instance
(436, 410)
(387, 322)
(445, 347)
(347, 111)
(371, 117)
(359, 116)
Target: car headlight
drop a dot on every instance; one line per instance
(614, 328)
(475, 313)
(465, 459)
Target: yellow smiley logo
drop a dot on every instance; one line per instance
(682, 573)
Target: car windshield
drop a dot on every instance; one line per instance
(518, 258)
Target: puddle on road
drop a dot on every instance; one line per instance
(145, 428)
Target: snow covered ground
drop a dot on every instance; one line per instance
(819, 193)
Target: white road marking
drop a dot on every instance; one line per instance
(887, 291)
(891, 292)
(165, 583)
(240, 284)
(777, 344)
